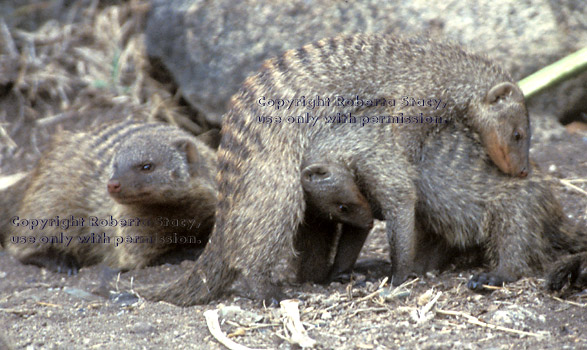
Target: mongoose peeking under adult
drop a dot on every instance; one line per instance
(261, 199)
(120, 194)
(332, 198)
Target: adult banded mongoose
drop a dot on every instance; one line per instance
(465, 202)
(322, 95)
(120, 194)
(332, 198)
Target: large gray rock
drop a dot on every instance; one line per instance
(210, 47)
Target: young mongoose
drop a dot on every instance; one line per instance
(321, 95)
(332, 198)
(120, 194)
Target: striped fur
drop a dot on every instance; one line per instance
(71, 181)
(261, 201)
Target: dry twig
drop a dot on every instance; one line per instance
(214, 327)
(474, 320)
(293, 325)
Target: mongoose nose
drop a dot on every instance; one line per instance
(113, 186)
(523, 173)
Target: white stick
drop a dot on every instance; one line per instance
(214, 327)
(293, 324)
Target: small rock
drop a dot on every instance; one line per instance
(124, 298)
(82, 294)
(235, 313)
(552, 168)
(142, 328)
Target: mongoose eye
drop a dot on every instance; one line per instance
(147, 167)
(517, 135)
(343, 208)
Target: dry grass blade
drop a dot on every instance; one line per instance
(6, 40)
(9, 180)
(88, 68)
(474, 320)
(569, 302)
(568, 183)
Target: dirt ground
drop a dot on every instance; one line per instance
(98, 309)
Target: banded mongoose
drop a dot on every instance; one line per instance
(517, 224)
(121, 194)
(264, 139)
(465, 202)
(332, 198)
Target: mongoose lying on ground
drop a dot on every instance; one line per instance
(322, 95)
(120, 194)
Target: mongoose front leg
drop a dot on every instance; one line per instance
(389, 182)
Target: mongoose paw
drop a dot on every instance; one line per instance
(67, 264)
(397, 278)
(348, 277)
(58, 262)
(271, 302)
(269, 294)
(478, 282)
(341, 277)
(562, 274)
(273, 298)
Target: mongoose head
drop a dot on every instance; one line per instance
(156, 170)
(331, 190)
(502, 121)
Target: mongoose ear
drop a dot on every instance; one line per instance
(315, 172)
(189, 149)
(211, 138)
(504, 91)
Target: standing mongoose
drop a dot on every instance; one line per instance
(321, 95)
(332, 198)
(121, 194)
(465, 202)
